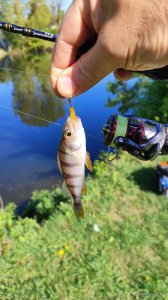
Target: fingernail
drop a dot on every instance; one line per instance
(66, 86)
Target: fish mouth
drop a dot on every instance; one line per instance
(74, 122)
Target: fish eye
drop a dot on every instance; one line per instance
(67, 133)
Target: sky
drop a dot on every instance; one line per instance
(66, 4)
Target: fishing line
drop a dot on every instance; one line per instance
(42, 119)
(94, 137)
(30, 115)
(33, 116)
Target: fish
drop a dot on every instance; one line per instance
(72, 158)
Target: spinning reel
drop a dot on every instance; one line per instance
(142, 138)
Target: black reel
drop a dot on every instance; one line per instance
(142, 138)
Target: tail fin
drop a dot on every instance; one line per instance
(1, 203)
(79, 211)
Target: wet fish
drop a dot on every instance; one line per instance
(72, 157)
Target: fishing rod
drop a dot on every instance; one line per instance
(160, 74)
(29, 32)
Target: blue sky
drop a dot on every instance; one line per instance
(66, 4)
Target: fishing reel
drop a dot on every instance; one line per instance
(142, 138)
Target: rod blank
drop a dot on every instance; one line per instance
(30, 32)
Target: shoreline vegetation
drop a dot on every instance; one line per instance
(30, 48)
(119, 251)
(44, 15)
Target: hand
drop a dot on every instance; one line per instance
(130, 35)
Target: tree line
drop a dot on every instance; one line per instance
(44, 15)
(145, 98)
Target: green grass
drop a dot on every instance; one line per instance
(60, 258)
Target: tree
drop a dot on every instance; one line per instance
(146, 98)
(12, 12)
(43, 15)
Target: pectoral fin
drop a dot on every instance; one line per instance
(58, 162)
(84, 189)
(65, 189)
(88, 162)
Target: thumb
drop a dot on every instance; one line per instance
(90, 68)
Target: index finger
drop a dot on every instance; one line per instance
(72, 35)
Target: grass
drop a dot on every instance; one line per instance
(119, 251)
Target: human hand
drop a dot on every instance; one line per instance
(130, 36)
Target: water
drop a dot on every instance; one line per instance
(29, 145)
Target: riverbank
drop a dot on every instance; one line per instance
(119, 251)
(36, 48)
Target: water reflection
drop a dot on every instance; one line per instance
(32, 92)
(28, 145)
(33, 96)
(5, 64)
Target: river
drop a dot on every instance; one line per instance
(29, 145)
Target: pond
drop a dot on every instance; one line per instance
(29, 144)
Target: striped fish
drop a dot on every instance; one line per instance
(72, 157)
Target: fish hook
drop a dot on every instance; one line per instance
(70, 101)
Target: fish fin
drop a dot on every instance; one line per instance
(88, 162)
(79, 211)
(58, 162)
(84, 189)
(1, 203)
(65, 189)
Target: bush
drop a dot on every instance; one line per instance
(43, 203)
